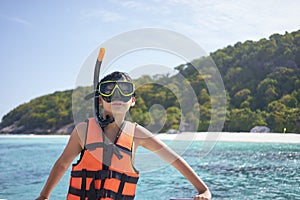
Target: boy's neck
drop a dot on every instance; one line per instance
(118, 120)
(112, 129)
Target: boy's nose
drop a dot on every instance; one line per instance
(116, 93)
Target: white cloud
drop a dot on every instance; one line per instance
(16, 20)
(213, 23)
(146, 6)
(132, 4)
(103, 15)
(220, 23)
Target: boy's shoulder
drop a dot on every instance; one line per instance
(81, 129)
(81, 126)
(141, 131)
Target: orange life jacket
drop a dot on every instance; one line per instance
(105, 169)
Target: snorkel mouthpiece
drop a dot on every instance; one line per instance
(104, 122)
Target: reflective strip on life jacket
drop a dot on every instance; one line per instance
(105, 170)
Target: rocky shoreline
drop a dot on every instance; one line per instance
(14, 129)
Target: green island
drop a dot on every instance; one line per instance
(261, 79)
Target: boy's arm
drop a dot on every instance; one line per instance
(146, 139)
(73, 148)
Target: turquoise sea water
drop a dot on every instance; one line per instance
(231, 170)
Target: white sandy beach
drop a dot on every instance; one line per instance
(234, 137)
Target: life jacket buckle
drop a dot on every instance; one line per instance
(105, 194)
(110, 174)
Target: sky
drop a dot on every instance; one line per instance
(44, 43)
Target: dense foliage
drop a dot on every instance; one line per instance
(263, 82)
(43, 114)
(261, 78)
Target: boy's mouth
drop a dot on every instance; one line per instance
(117, 103)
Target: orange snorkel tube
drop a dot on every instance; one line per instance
(101, 121)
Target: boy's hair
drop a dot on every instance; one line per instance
(114, 76)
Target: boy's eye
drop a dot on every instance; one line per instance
(109, 87)
(126, 87)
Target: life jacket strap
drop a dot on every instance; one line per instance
(97, 175)
(83, 185)
(101, 193)
(123, 177)
(108, 149)
(103, 174)
(115, 196)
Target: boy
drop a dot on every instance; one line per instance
(107, 145)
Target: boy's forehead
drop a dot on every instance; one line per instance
(116, 79)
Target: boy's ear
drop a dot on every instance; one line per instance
(100, 101)
(133, 100)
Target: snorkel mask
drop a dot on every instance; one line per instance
(112, 90)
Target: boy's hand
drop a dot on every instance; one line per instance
(203, 196)
(41, 198)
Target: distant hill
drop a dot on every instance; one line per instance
(263, 82)
(261, 78)
(45, 114)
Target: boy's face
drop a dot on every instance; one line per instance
(116, 96)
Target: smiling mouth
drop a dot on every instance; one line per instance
(117, 103)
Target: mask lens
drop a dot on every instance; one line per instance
(126, 88)
(107, 88)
